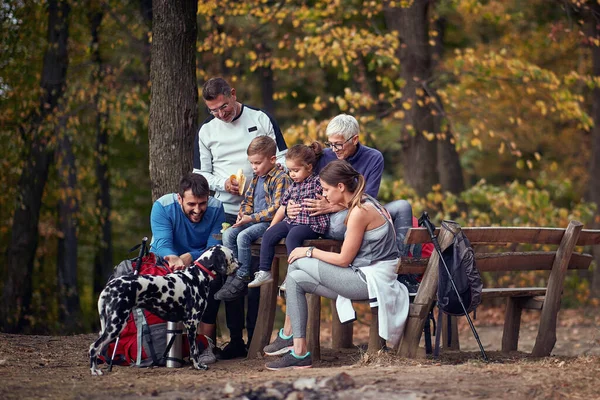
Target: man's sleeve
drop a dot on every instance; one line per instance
(196, 154)
(373, 176)
(274, 132)
(162, 231)
(206, 168)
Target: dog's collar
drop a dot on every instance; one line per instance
(203, 268)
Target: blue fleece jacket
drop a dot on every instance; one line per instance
(174, 234)
(366, 160)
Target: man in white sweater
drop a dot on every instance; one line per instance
(219, 152)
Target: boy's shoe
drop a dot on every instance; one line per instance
(260, 278)
(233, 288)
(207, 356)
(234, 349)
(291, 361)
(280, 345)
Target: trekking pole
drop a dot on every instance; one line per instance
(426, 222)
(136, 271)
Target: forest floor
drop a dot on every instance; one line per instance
(57, 367)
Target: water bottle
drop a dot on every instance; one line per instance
(174, 359)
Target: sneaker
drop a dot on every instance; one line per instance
(280, 345)
(291, 361)
(235, 349)
(260, 278)
(207, 356)
(233, 288)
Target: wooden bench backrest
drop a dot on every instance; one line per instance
(507, 261)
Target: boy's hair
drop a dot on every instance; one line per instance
(345, 125)
(215, 87)
(262, 145)
(306, 155)
(196, 182)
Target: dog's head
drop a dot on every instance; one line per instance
(219, 259)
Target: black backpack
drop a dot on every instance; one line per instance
(460, 259)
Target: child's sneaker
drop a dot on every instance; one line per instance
(234, 288)
(291, 361)
(280, 345)
(260, 278)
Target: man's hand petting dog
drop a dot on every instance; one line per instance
(180, 296)
(178, 263)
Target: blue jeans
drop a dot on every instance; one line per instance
(240, 239)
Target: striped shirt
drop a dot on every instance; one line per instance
(307, 189)
(276, 183)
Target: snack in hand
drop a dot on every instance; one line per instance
(224, 226)
(241, 179)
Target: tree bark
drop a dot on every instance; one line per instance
(173, 118)
(103, 259)
(68, 207)
(16, 296)
(594, 177)
(419, 154)
(265, 74)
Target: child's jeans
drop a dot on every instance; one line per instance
(294, 236)
(240, 239)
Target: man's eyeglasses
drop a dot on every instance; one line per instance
(339, 146)
(217, 110)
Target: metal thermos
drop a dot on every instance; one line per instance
(174, 359)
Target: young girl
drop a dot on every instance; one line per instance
(300, 161)
(365, 268)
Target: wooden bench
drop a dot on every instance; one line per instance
(547, 299)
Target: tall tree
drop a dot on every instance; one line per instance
(593, 17)
(16, 296)
(174, 106)
(419, 148)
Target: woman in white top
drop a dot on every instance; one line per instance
(364, 269)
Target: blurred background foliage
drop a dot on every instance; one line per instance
(512, 85)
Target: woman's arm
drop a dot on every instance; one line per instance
(357, 225)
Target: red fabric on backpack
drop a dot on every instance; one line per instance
(127, 348)
(426, 248)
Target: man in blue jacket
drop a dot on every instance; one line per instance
(183, 224)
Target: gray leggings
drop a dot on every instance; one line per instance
(309, 275)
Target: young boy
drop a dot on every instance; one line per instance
(261, 202)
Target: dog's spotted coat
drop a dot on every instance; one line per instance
(179, 296)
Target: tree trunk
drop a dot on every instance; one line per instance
(419, 153)
(68, 207)
(174, 106)
(265, 74)
(16, 296)
(594, 177)
(103, 259)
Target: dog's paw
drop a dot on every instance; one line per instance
(96, 372)
(202, 367)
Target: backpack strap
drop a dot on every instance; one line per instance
(143, 335)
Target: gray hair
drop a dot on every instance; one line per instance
(344, 124)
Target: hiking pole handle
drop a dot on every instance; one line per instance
(140, 255)
(426, 222)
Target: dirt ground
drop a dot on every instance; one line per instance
(57, 367)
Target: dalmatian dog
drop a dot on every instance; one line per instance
(178, 296)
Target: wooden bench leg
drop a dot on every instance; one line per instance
(454, 340)
(512, 325)
(313, 327)
(376, 343)
(266, 314)
(341, 334)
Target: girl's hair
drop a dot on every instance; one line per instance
(306, 155)
(340, 171)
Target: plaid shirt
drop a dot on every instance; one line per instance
(307, 189)
(276, 182)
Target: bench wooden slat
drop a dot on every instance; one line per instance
(500, 235)
(513, 292)
(519, 261)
